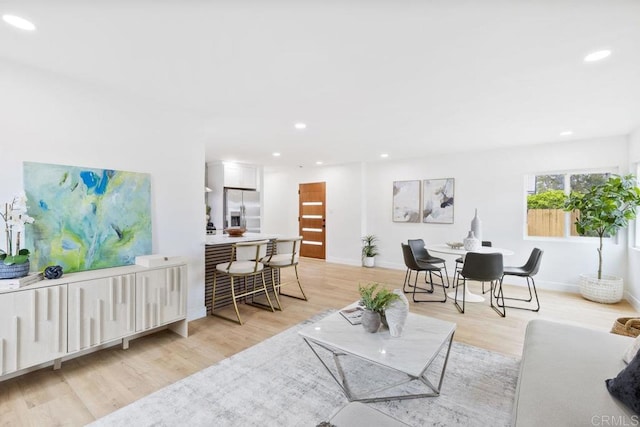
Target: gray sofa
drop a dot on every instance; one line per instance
(562, 377)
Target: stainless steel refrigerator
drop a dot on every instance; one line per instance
(242, 209)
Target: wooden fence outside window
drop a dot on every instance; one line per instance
(549, 222)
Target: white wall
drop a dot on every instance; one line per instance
(47, 118)
(343, 210)
(492, 181)
(632, 286)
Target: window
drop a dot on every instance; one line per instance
(545, 202)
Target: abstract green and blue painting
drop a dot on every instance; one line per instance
(86, 218)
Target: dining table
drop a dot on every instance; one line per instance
(443, 248)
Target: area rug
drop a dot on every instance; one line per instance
(279, 382)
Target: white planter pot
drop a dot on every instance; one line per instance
(368, 261)
(608, 290)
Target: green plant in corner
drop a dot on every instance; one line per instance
(376, 301)
(605, 208)
(369, 247)
(15, 217)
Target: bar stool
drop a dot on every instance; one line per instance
(245, 263)
(284, 256)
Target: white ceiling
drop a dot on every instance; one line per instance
(408, 78)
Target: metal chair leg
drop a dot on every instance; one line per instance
(266, 292)
(407, 281)
(430, 291)
(531, 295)
(275, 288)
(233, 298)
(497, 306)
(446, 273)
(304, 296)
(464, 288)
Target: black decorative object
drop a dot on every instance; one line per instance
(53, 272)
(626, 386)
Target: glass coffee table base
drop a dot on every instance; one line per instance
(373, 395)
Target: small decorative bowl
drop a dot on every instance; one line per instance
(455, 245)
(235, 232)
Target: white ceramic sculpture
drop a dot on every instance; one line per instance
(396, 314)
(471, 243)
(476, 226)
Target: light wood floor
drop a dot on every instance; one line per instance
(91, 386)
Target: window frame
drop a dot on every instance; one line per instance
(567, 215)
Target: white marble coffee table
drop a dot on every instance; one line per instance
(423, 339)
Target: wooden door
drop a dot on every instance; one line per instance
(312, 219)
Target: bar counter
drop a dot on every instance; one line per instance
(218, 250)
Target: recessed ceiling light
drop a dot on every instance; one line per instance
(300, 126)
(566, 133)
(318, 162)
(19, 22)
(384, 155)
(597, 55)
(276, 154)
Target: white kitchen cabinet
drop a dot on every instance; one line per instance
(101, 310)
(160, 296)
(240, 176)
(33, 327)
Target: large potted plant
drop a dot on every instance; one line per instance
(602, 211)
(14, 261)
(369, 250)
(374, 301)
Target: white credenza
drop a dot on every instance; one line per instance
(33, 327)
(160, 297)
(52, 320)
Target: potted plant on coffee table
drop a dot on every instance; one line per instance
(374, 301)
(602, 211)
(369, 250)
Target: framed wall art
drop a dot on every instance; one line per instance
(86, 218)
(406, 201)
(437, 201)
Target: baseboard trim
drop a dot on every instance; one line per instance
(635, 303)
(541, 284)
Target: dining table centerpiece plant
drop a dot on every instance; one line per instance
(14, 260)
(374, 301)
(603, 210)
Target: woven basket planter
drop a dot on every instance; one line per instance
(608, 290)
(13, 271)
(627, 326)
